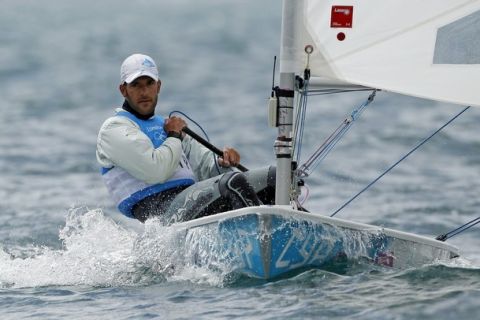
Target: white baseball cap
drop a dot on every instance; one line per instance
(138, 65)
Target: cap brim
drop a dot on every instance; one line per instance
(139, 74)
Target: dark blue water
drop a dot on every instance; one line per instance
(66, 253)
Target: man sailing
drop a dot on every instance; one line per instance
(151, 168)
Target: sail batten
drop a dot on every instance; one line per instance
(428, 49)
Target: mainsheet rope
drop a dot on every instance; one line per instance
(203, 131)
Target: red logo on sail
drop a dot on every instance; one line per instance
(342, 17)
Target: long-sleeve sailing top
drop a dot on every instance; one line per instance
(121, 143)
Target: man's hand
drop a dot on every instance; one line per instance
(175, 124)
(230, 158)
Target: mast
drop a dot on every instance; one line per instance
(285, 94)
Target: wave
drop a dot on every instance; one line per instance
(97, 251)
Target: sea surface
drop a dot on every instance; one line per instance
(66, 253)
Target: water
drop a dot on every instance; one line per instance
(66, 252)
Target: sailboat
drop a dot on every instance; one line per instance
(428, 49)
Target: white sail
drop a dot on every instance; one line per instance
(428, 48)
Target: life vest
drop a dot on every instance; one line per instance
(125, 189)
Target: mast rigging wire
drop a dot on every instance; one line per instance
(454, 232)
(401, 159)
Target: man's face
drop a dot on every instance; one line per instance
(142, 94)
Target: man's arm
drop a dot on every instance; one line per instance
(203, 161)
(121, 143)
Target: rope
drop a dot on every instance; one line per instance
(203, 131)
(333, 139)
(458, 230)
(321, 92)
(300, 123)
(401, 159)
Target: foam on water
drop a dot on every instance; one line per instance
(97, 251)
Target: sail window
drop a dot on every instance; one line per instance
(459, 41)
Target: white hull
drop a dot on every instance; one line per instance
(268, 241)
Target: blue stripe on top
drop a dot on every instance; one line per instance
(152, 127)
(127, 205)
